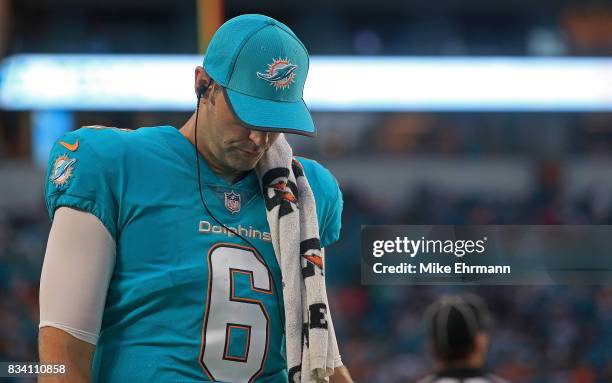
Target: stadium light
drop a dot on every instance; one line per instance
(335, 83)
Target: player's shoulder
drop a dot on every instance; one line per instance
(321, 180)
(105, 142)
(327, 196)
(93, 140)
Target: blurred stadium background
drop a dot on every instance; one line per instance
(411, 165)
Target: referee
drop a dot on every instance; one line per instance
(457, 330)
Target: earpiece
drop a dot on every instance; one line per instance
(202, 89)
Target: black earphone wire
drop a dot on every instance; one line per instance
(201, 91)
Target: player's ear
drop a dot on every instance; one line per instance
(481, 343)
(202, 84)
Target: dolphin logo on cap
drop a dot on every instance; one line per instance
(280, 74)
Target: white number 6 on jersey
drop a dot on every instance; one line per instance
(226, 312)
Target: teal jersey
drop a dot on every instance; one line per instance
(187, 300)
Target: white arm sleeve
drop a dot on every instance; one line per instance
(78, 265)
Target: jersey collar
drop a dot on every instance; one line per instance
(185, 149)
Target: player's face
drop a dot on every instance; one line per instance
(233, 147)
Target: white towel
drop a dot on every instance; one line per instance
(312, 349)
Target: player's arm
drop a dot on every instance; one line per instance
(59, 347)
(78, 264)
(341, 375)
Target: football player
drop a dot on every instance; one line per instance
(159, 265)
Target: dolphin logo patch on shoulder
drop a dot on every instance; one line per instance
(280, 74)
(62, 170)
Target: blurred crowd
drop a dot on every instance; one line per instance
(473, 135)
(22, 245)
(543, 334)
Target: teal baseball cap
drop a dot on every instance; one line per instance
(262, 66)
